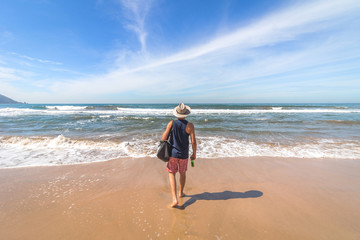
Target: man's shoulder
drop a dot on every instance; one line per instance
(190, 125)
(170, 123)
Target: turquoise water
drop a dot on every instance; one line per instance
(48, 134)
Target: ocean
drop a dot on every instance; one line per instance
(58, 134)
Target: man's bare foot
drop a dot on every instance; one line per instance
(174, 203)
(181, 195)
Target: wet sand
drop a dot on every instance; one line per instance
(231, 198)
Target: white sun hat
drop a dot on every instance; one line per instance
(181, 111)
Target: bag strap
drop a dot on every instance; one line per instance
(171, 133)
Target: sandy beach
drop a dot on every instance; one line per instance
(230, 198)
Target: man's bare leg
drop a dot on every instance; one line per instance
(182, 184)
(172, 182)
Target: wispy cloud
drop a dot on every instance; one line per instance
(8, 74)
(246, 49)
(278, 27)
(39, 60)
(136, 12)
(286, 51)
(22, 76)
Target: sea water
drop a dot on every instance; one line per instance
(57, 134)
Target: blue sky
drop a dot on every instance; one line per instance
(121, 51)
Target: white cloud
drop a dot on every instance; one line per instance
(136, 12)
(280, 27)
(7, 74)
(32, 59)
(299, 42)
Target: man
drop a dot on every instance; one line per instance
(178, 161)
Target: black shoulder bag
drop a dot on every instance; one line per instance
(164, 148)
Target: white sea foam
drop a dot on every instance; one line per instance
(146, 111)
(211, 147)
(9, 112)
(66, 108)
(154, 111)
(58, 110)
(41, 151)
(274, 110)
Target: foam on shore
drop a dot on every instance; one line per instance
(60, 150)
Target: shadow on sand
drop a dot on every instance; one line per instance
(220, 196)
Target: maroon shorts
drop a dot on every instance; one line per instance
(175, 164)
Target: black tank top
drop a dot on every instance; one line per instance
(180, 140)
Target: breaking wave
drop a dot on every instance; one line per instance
(60, 150)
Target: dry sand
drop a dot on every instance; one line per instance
(232, 198)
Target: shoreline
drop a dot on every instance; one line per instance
(202, 159)
(227, 198)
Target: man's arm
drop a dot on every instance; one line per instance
(167, 131)
(190, 129)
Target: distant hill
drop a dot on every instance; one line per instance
(6, 100)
